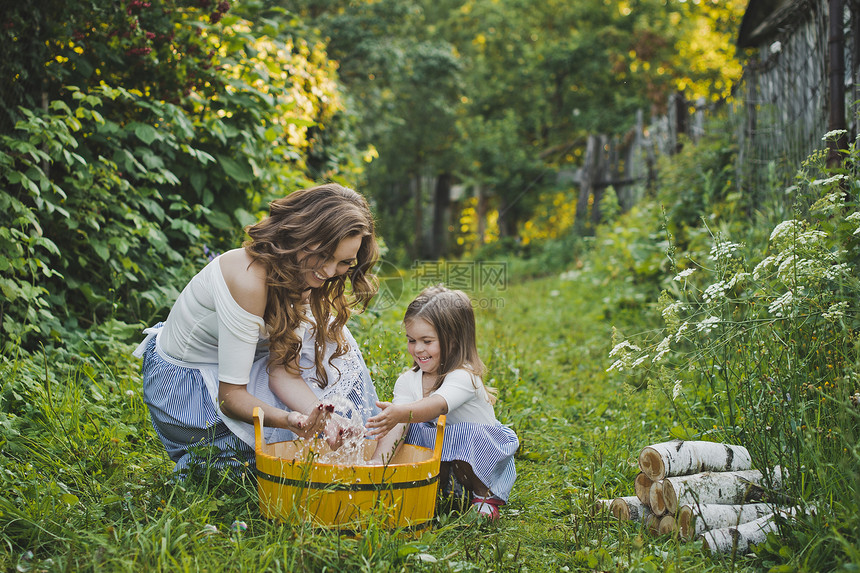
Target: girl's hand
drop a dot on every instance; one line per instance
(384, 422)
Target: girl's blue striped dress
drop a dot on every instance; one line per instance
(472, 433)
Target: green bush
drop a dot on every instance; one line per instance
(115, 190)
(760, 348)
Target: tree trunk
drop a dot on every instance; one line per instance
(441, 209)
(642, 485)
(724, 540)
(693, 520)
(667, 525)
(652, 524)
(680, 120)
(716, 487)
(601, 505)
(418, 213)
(505, 220)
(677, 458)
(629, 508)
(655, 498)
(481, 214)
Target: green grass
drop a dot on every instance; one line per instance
(86, 485)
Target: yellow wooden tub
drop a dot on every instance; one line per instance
(399, 495)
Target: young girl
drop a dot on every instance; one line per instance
(445, 378)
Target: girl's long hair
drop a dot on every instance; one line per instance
(305, 224)
(450, 313)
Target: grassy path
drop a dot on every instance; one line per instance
(85, 486)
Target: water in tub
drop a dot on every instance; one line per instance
(351, 453)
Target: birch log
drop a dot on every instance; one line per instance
(656, 499)
(642, 485)
(695, 519)
(652, 524)
(678, 457)
(629, 507)
(601, 505)
(667, 525)
(746, 534)
(729, 488)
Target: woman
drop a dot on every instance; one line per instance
(246, 313)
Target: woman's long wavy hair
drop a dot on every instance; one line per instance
(309, 224)
(450, 313)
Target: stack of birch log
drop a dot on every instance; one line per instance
(701, 489)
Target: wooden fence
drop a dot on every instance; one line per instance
(779, 111)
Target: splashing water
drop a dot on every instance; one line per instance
(351, 453)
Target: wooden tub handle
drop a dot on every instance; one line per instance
(440, 435)
(258, 429)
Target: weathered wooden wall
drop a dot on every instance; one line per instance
(778, 111)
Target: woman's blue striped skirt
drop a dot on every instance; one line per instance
(184, 416)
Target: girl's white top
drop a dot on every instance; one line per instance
(206, 325)
(463, 391)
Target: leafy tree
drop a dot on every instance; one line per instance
(165, 126)
(404, 85)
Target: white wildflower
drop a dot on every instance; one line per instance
(832, 256)
(837, 271)
(684, 274)
(854, 218)
(811, 237)
(708, 324)
(622, 346)
(618, 366)
(763, 266)
(830, 203)
(737, 279)
(829, 180)
(781, 304)
(673, 309)
(662, 349)
(793, 268)
(835, 311)
(676, 390)
(724, 250)
(681, 330)
(639, 361)
(715, 291)
(792, 226)
(786, 265)
(834, 134)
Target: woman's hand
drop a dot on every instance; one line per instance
(387, 419)
(338, 430)
(310, 424)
